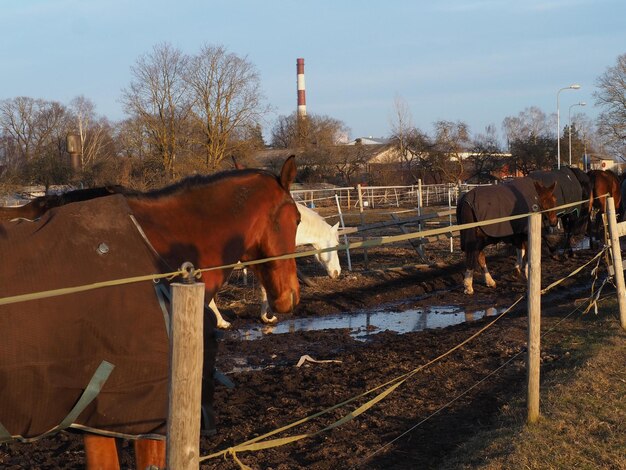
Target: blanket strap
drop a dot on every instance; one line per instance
(94, 387)
(5, 435)
(163, 295)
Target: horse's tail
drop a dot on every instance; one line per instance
(469, 239)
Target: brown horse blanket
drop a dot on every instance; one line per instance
(51, 348)
(517, 196)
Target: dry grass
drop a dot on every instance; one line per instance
(583, 407)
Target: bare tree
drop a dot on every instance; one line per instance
(94, 132)
(611, 96)
(530, 140)
(227, 99)
(36, 130)
(401, 129)
(486, 156)
(30, 123)
(285, 132)
(323, 131)
(452, 140)
(348, 161)
(158, 96)
(414, 146)
(528, 124)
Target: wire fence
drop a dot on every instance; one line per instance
(255, 444)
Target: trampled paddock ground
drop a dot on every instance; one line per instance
(422, 422)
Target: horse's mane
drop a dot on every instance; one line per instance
(195, 181)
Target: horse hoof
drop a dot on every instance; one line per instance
(269, 320)
(223, 325)
(468, 291)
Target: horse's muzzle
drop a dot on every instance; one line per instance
(287, 302)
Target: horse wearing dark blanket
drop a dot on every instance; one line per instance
(518, 196)
(572, 185)
(98, 360)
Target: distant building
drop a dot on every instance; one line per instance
(369, 141)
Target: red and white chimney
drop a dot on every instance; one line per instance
(301, 90)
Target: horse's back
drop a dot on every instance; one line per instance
(605, 182)
(517, 196)
(52, 347)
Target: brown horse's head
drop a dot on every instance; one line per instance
(547, 201)
(276, 237)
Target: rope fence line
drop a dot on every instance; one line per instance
(544, 334)
(390, 386)
(371, 242)
(255, 444)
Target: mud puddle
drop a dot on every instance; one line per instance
(364, 324)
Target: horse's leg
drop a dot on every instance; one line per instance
(470, 246)
(482, 262)
(100, 452)
(221, 323)
(149, 454)
(265, 308)
(468, 279)
(519, 262)
(208, 382)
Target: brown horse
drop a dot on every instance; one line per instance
(519, 196)
(604, 183)
(210, 221)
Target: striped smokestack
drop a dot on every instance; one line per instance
(301, 90)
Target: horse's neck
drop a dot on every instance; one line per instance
(313, 230)
(171, 228)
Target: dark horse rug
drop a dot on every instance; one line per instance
(110, 343)
(517, 196)
(572, 185)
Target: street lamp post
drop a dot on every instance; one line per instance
(569, 127)
(575, 86)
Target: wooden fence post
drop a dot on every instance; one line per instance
(345, 237)
(534, 316)
(358, 187)
(419, 197)
(617, 261)
(186, 357)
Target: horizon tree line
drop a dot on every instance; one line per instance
(192, 113)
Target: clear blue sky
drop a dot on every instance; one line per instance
(477, 61)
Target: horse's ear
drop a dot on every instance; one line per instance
(542, 189)
(552, 187)
(288, 172)
(336, 226)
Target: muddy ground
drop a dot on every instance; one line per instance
(409, 428)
